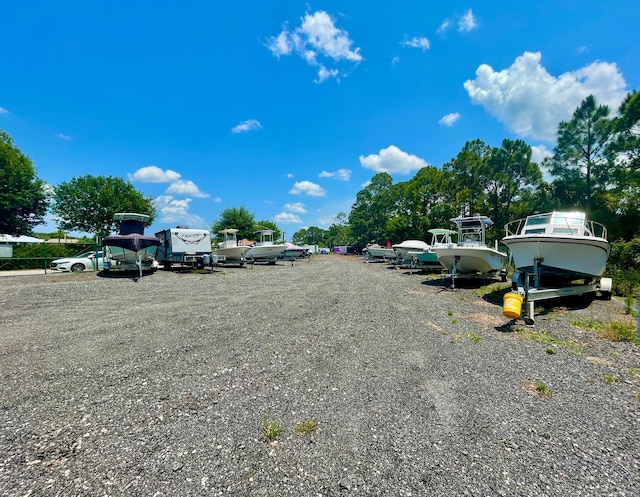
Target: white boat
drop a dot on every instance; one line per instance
(130, 248)
(439, 237)
(409, 249)
(265, 249)
(228, 249)
(562, 245)
(471, 255)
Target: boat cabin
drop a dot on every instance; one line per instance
(557, 223)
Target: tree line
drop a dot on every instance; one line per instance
(595, 167)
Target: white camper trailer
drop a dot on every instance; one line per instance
(181, 245)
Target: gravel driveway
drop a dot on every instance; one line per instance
(164, 386)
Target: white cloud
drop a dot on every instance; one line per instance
(327, 220)
(341, 174)
(467, 22)
(450, 119)
(289, 175)
(392, 160)
(174, 211)
(531, 102)
(186, 187)
(297, 207)
(63, 137)
(395, 61)
(3, 111)
(287, 218)
(307, 188)
(416, 42)
(318, 42)
(446, 24)
(153, 174)
(248, 125)
(217, 200)
(324, 74)
(539, 153)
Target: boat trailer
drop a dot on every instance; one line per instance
(526, 291)
(453, 274)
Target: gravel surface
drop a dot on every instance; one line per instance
(164, 386)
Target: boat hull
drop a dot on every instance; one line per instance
(428, 258)
(231, 253)
(559, 257)
(471, 260)
(265, 252)
(381, 253)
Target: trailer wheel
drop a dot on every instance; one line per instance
(166, 265)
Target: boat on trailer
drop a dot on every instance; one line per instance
(557, 254)
(471, 256)
(130, 249)
(228, 250)
(428, 259)
(265, 250)
(408, 249)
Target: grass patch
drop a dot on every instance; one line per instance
(611, 379)
(271, 429)
(538, 388)
(615, 331)
(547, 338)
(475, 338)
(306, 427)
(551, 351)
(493, 292)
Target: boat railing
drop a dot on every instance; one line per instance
(591, 228)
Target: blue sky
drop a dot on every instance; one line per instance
(288, 108)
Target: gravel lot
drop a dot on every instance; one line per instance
(162, 387)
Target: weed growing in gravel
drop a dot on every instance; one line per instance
(539, 388)
(634, 371)
(449, 313)
(493, 292)
(306, 427)
(551, 351)
(611, 379)
(547, 338)
(271, 429)
(615, 331)
(475, 338)
(638, 396)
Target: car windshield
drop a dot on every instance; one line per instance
(86, 255)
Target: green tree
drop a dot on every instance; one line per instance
(23, 201)
(339, 233)
(624, 155)
(470, 168)
(239, 218)
(579, 163)
(310, 236)
(88, 203)
(373, 207)
(511, 181)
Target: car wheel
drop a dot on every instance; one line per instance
(77, 268)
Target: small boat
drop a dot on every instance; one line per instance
(265, 249)
(375, 252)
(563, 246)
(130, 249)
(439, 237)
(407, 250)
(471, 255)
(228, 250)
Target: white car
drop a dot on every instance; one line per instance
(79, 263)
